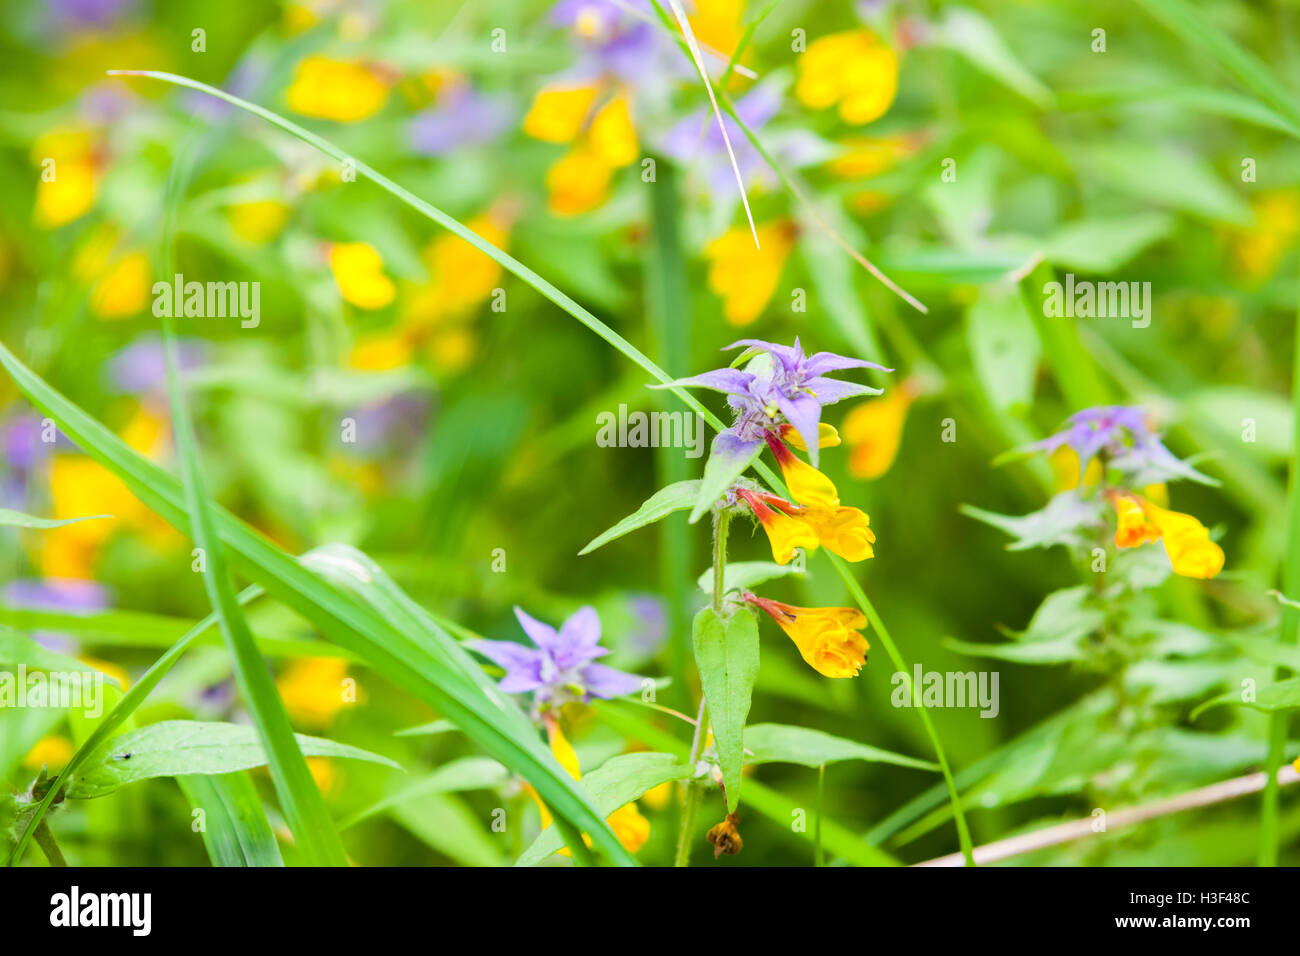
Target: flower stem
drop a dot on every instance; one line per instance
(693, 790)
(44, 837)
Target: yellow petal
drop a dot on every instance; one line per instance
(578, 182)
(873, 430)
(358, 271)
(558, 113)
(744, 276)
(336, 89)
(612, 135)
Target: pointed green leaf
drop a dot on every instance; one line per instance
(173, 748)
(726, 652)
(675, 497)
(235, 829)
(782, 743)
(19, 520)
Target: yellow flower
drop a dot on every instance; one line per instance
(629, 826)
(463, 275)
(259, 221)
(873, 431)
(717, 24)
(123, 290)
(337, 89)
(377, 353)
(1256, 252)
(322, 770)
(51, 752)
(827, 637)
(844, 531)
(68, 183)
(559, 112)
(854, 69)
(827, 436)
(358, 270)
(865, 157)
(1187, 541)
(807, 485)
(1065, 468)
(313, 689)
(1133, 527)
(784, 532)
(744, 276)
(578, 182)
(612, 135)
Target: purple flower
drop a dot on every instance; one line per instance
(141, 367)
(792, 387)
(463, 117)
(619, 39)
(89, 13)
(56, 594)
(561, 669)
(1129, 444)
(394, 421)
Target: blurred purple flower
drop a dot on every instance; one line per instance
(89, 13)
(463, 117)
(141, 368)
(244, 79)
(396, 420)
(793, 385)
(561, 669)
(1122, 433)
(651, 627)
(56, 594)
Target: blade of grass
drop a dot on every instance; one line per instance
(235, 829)
(1185, 20)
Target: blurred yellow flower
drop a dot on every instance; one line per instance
(315, 689)
(1257, 252)
(68, 182)
(1133, 528)
(123, 290)
(1065, 469)
(259, 221)
(358, 271)
(559, 112)
(865, 156)
(612, 135)
(1187, 541)
(873, 431)
(744, 276)
(340, 90)
(463, 276)
(325, 774)
(853, 69)
(578, 182)
(380, 352)
(629, 826)
(717, 24)
(52, 752)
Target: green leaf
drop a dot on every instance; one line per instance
(1162, 175)
(971, 35)
(723, 467)
(1004, 346)
(1271, 698)
(1059, 522)
(675, 497)
(410, 650)
(235, 829)
(465, 773)
(173, 748)
(1106, 244)
(15, 650)
(726, 652)
(19, 520)
(450, 827)
(1056, 633)
(743, 575)
(782, 743)
(615, 783)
